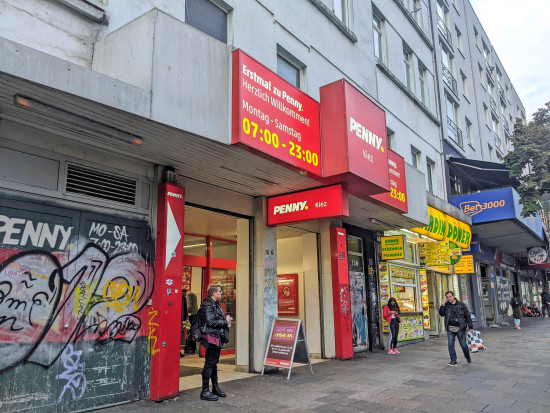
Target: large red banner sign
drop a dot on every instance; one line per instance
(397, 197)
(354, 139)
(287, 294)
(272, 117)
(326, 202)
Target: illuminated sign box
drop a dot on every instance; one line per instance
(326, 202)
(272, 118)
(397, 197)
(444, 227)
(394, 248)
(465, 265)
(354, 140)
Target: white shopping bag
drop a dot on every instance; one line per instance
(475, 342)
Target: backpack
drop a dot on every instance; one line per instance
(195, 332)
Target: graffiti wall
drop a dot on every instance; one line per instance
(74, 320)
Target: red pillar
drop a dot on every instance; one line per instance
(340, 293)
(165, 312)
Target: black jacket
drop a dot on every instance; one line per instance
(545, 297)
(213, 320)
(463, 314)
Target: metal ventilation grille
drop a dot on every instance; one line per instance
(99, 184)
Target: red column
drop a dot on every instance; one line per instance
(340, 293)
(165, 312)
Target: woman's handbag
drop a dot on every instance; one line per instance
(510, 310)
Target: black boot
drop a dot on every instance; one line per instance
(216, 389)
(205, 393)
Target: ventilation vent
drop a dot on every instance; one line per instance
(99, 184)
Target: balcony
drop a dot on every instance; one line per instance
(454, 132)
(449, 79)
(498, 141)
(444, 30)
(493, 105)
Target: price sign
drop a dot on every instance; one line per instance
(272, 117)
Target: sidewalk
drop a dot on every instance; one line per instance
(513, 375)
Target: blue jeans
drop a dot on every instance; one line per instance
(461, 340)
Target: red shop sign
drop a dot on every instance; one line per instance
(272, 117)
(327, 202)
(354, 139)
(287, 294)
(397, 197)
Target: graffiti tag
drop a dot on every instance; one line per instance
(73, 374)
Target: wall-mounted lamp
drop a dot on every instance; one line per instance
(77, 121)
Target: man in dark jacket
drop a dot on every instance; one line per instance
(457, 318)
(545, 301)
(215, 333)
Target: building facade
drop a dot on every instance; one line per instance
(154, 147)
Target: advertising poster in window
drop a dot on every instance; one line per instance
(287, 294)
(384, 279)
(411, 328)
(425, 298)
(186, 278)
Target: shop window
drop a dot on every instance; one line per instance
(194, 245)
(403, 287)
(208, 17)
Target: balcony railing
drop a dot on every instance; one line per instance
(498, 141)
(444, 30)
(449, 79)
(454, 131)
(493, 104)
(501, 93)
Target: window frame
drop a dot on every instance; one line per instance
(380, 35)
(407, 66)
(430, 168)
(415, 157)
(223, 7)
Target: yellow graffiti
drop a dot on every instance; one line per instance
(152, 336)
(119, 295)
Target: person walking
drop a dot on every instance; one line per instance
(391, 313)
(515, 302)
(457, 318)
(545, 302)
(215, 333)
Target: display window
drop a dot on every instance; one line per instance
(404, 288)
(465, 291)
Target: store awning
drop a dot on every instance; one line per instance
(485, 174)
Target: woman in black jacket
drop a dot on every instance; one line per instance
(215, 333)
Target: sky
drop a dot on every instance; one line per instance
(520, 33)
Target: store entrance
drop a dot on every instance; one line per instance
(439, 284)
(358, 294)
(210, 258)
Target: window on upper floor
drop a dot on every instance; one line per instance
(417, 11)
(476, 37)
(430, 169)
(486, 113)
(491, 153)
(341, 9)
(422, 86)
(469, 136)
(465, 90)
(453, 128)
(208, 17)
(459, 41)
(288, 68)
(407, 67)
(456, 184)
(379, 38)
(391, 139)
(415, 157)
(486, 53)
(482, 79)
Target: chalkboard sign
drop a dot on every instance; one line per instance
(287, 344)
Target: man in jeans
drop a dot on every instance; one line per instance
(457, 318)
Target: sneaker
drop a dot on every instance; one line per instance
(390, 351)
(396, 352)
(452, 364)
(518, 327)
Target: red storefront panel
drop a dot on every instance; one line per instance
(166, 308)
(354, 140)
(273, 118)
(397, 197)
(326, 202)
(340, 293)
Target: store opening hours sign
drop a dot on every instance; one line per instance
(272, 117)
(397, 197)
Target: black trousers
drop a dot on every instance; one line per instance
(394, 332)
(211, 359)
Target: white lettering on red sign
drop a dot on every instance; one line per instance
(364, 134)
(174, 195)
(286, 208)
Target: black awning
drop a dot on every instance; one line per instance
(487, 175)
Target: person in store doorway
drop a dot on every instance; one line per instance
(457, 318)
(545, 302)
(515, 303)
(184, 318)
(215, 333)
(391, 314)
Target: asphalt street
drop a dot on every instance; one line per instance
(513, 375)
